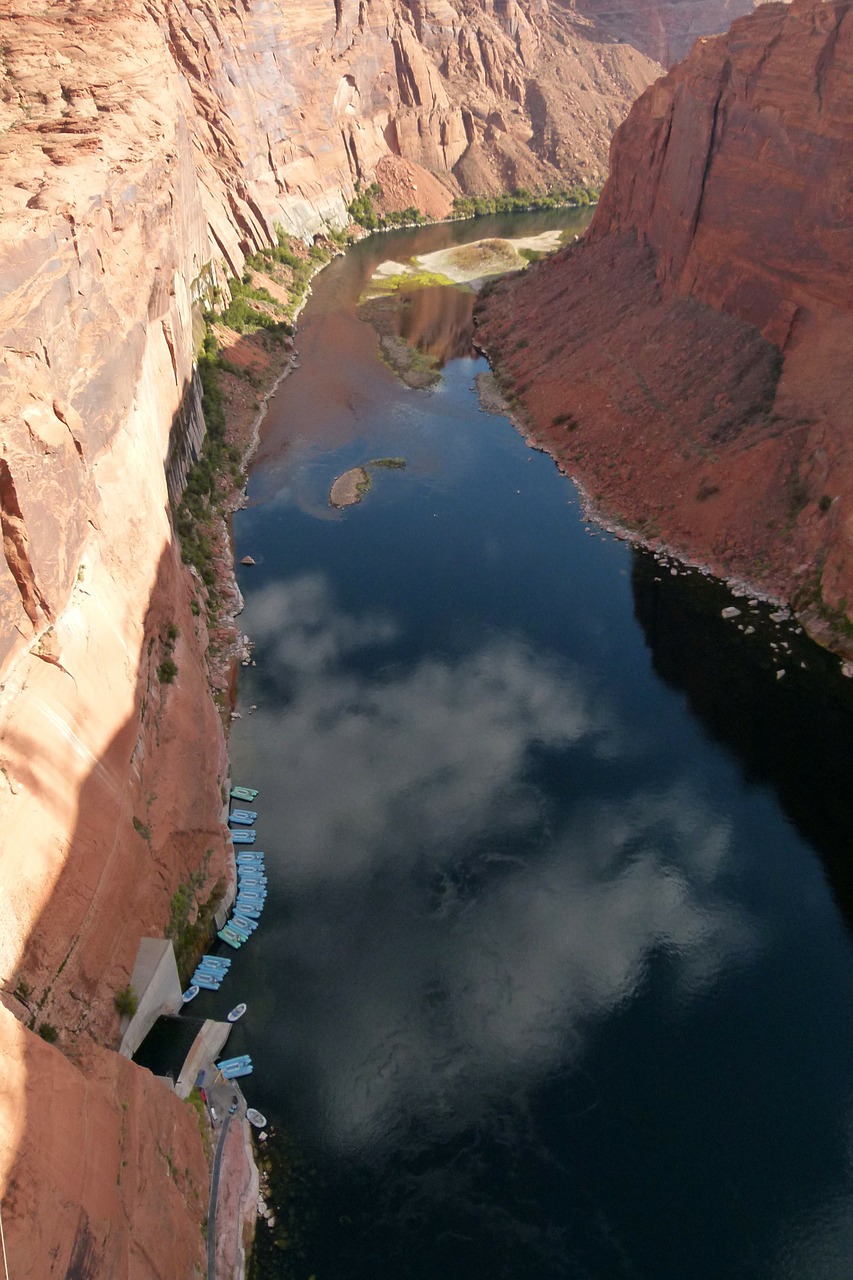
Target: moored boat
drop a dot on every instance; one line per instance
(242, 836)
(235, 1073)
(190, 993)
(244, 793)
(208, 984)
(233, 1062)
(245, 925)
(255, 1118)
(237, 1012)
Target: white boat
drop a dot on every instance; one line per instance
(190, 994)
(236, 1012)
(254, 1117)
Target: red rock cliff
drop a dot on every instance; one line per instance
(690, 361)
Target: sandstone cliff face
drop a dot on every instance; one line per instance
(665, 30)
(687, 362)
(306, 100)
(109, 778)
(123, 1193)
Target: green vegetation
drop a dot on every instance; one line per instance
(48, 1032)
(363, 211)
(126, 1002)
(167, 670)
(390, 464)
(414, 279)
(202, 497)
(289, 265)
(191, 921)
(196, 1102)
(522, 199)
(141, 828)
(825, 503)
(241, 316)
(22, 991)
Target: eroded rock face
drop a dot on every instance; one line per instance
(84, 1147)
(665, 30)
(689, 365)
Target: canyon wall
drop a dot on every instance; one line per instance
(690, 361)
(110, 776)
(146, 146)
(665, 30)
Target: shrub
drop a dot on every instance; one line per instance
(825, 503)
(126, 1002)
(167, 670)
(48, 1032)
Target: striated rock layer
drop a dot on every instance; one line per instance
(690, 361)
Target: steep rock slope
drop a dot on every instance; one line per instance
(688, 361)
(664, 29)
(110, 777)
(123, 1193)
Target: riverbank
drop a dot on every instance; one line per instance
(248, 366)
(741, 506)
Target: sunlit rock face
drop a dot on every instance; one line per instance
(686, 361)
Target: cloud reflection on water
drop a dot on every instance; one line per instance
(458, 927)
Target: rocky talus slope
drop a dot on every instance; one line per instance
(145, 147)
(690, 361)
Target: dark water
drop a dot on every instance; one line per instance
(167, 1044)
(556, 977)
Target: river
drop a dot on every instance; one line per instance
(555, 978)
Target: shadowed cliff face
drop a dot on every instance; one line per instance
(109, 804)
(695, 377)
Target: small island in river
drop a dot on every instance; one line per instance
(350, 487)
(463, 264)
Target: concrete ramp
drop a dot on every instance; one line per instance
(206, 1047)
(157, 987)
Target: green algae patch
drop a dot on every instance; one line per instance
(383, 285)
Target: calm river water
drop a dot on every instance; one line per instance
(556, 977)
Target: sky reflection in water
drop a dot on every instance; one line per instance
(551, 981)
(423, 779)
